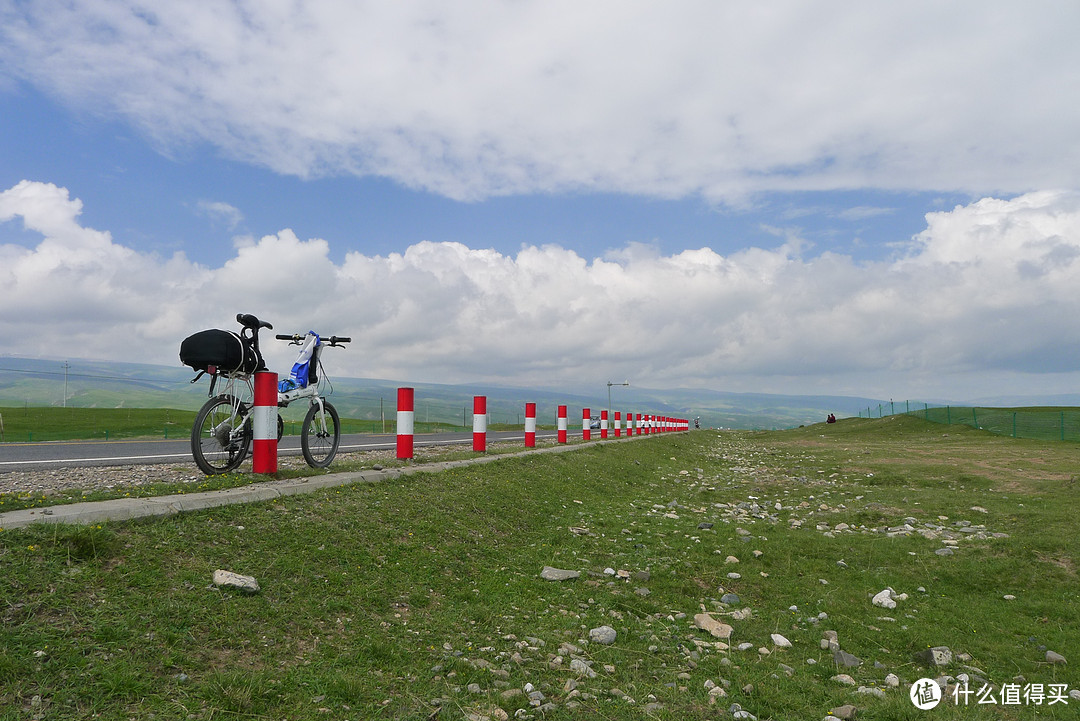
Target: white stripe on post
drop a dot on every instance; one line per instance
(405, 421)
(264, 423)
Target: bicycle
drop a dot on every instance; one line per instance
(222, 433)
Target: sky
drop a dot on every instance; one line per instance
(874, 199)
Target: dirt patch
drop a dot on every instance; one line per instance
(1063, 562)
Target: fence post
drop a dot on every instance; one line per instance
(1014, 424)
(530, 425)
(406, 418)
(264, 423)
(479, 424)
(586, 432)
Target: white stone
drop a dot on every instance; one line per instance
(581, 668)
(1054, 657)
(604, 635)
(235, 580)
(558, 574)
(718, 629)
(884, 599)
(779, 641)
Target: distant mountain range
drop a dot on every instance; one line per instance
(41, 382)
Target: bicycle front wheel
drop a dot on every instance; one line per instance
(320, 435)
(221, 435)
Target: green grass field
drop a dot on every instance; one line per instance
(421, 598)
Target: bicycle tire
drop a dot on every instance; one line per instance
(320, 447)
(215, 445)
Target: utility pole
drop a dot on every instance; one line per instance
(65, 366)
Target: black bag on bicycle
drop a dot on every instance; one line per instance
(226, 351)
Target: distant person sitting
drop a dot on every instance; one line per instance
(831, 419)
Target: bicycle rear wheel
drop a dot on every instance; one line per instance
(221, 435)
(320, 435)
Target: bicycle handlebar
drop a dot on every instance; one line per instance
(334, 340)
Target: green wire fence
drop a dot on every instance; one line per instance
(1047, 423)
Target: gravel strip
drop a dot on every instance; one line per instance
(113, 477)
(100, 478)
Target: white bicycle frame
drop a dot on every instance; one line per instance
(310, 391)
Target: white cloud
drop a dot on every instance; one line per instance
(220, 212)
(986, 292)
(665, 99)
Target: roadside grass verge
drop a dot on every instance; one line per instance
(421, 597)
(288, 467)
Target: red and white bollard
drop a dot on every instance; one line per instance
(618, 424)
(586, 432)
(603, 424)
(530, 425)
(479, 424)
(405, 421)
(562, 424)
(637, 425)
(264, 423)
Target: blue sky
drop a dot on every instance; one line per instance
(798, 197)
(161, 203)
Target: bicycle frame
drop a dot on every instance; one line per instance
(222, 432)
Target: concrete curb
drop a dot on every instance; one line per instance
(124, 509)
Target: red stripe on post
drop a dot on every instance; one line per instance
(264, 423)
(406, 418)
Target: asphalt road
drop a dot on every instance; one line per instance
(68, 454)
